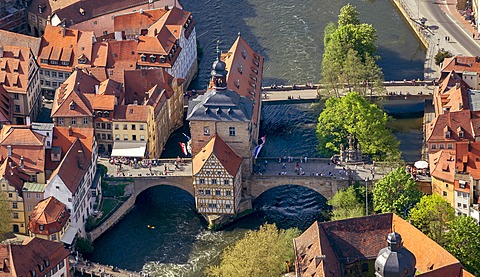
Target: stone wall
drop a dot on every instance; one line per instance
(326, 186)
(97, 232)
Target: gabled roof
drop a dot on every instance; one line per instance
(21, 259)
(15, 176)
(17, 135)
(245, 71)
(122, 54)
(50, 213)
(442, 165)
(6, 107)
(468, 158)
(230, 160)
(137, 91)
(454, 122)
(133, 23)
(63, 139)
(360, 239)
(132, 113)
(461, 63)
(452, 94)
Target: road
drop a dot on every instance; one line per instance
(440, 15)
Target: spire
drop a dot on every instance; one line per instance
(219, 73)
(219, 53)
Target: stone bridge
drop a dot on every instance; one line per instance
(325, 186)
(146, 182)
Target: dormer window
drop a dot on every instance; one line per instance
(461, 134)
(72, 105)
(240, 69)
(41, 227)
(82, 59)
(41, 267)
(143, 57)
(99, 114)
(153, 58)
(106, 114)
(47, 263)
(163, 59)
(447, 134)
(244, 54)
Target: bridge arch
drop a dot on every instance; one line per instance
(325, 186)
(183, 182)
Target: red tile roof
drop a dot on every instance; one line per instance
(461, 63)
(6, 107)
(132, 113)
(19, 40)
(442, 165)
(451, 94)
(360, 239)
(50, 213)
(453, 122)
(134, 23)
(230, 160)
(21, 259)
(468, 158)
(15, 175)
(136, 91)
(14, 65)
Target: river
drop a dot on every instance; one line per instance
(290, 36)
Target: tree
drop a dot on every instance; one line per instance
(348, 15)
(463, 241)
(84, 246)
(5, 215)
(431, 215)
(259, 253)
(338, 59)
(441, 56)
(346, 204)
(352, 114)
(396, 192)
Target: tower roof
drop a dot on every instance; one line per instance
(395, 260)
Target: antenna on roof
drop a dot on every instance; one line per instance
(218, 51)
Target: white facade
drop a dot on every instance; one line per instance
(51, 79)
(462, 203)
(187, 57)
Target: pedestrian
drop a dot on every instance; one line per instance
(306, 159)
(165, 166)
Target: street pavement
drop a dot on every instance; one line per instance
(443, 20)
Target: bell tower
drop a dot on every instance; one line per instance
(219, 73)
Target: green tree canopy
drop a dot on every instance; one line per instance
(463, 241)
(348, 15)
(260, 253)
(431, 216)
(347, 204)
(5, 215)
(396, 192)
(352, 114)
(337, 57)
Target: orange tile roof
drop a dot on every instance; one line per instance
(69, 48)
(244, 75)
(122, 54)
(133, 23)
(6, 107)
(63, 139)
(442, 165)
(132, 113)
(360, 239)
(230, 160)
(21, 259)
(136, 91)
(435, 130)
(451, 94)
(15, 64)
(468, 158)
(461, 63)
(19, 40)
(50, 213)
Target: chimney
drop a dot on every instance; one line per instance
(457, 85)
(96, 89)
(28, 120)
(1, 51)
(70, 131)
(469, 147)
(79, 159)
(9, 150)
(22, 165)
(40, 9)
(146, 95)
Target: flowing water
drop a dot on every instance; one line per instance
(290, 36)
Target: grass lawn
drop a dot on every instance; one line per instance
(113, 190)
(108, 205)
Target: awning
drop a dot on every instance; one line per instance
(69, 235)
(133, 149)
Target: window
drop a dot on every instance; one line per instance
(445, 193)
(207, 192)
(29, 208)
(48, 83)
(10, 194)
(134, 137)
(15, 215)
(446, 185)
(116, 126)
(16, 96)
(14, 205)
(217, 192)
(228, 193)
(125, 126)
(41, 267)
(134, 127)
(214, 181)
(29, 195)
(104, 136)
(54, 237)
(109, 137)
(109, 126)
(200, 191)
(54, 74)
(38, 195)
(67, 75)
(202, 181)
(465, 195)
(60, 121)
(442, 146)
(228, 206)
(95, 22)
(74, 121)
(142, 127)
(60, 75)
(206, 131)
(85, 121)
(459, 205)
(117, 137)
(231, 131)
(464, 206)
(447, 134)
(105, 33)
(459, 194)
(142, 137)
(17, 108)
(226, 182)
(47, 73)
(99, 136)
(125, 137)
(450, 146)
